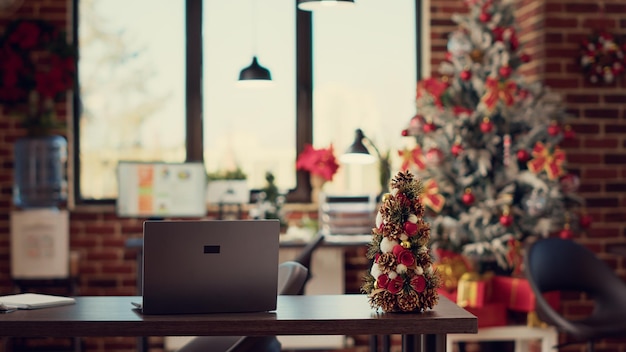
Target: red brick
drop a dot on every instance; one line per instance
(584, 158)
(582, 8)
(602, 113)
(554, 22)
(601, 143)
(619, 159)
(603, 174)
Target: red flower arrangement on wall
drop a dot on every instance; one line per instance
(37, 68)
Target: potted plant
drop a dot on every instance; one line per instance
(228, 187)
(37, 70)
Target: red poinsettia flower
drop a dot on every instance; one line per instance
(321, 162)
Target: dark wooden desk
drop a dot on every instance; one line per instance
(295, 315)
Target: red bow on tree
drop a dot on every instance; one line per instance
(498, 90)
(431, 197)
(413, 156)
(543, 160)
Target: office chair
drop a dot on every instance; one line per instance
(556, 264)
(304, 257)
(291, 278)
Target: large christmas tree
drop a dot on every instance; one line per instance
(486, 144)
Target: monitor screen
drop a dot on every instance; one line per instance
(159, 189)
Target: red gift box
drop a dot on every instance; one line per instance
(474, 290)
(490, 314)
(517, 294)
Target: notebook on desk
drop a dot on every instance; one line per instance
(214, 266)
(34, 301)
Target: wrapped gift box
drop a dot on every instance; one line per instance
(517, 295)
(490, 314)
(474, 290)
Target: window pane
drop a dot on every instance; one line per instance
(364, 77)
(251, 128)
(132, 88)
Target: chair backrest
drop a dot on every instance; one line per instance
(291, 278)
(556, 264)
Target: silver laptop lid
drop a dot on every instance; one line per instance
(214, 266)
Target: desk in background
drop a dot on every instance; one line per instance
(295, 315)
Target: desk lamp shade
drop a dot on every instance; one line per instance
(357, 153)
(255, 75)
(312, 5)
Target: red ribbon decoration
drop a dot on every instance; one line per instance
(497, 90)
(543, 160)
(431, 196)
(413, 156)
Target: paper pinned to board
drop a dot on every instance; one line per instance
(35, 301)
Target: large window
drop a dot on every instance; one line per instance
(332, 72)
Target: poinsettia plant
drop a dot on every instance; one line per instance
(321, 162)
(37, 69)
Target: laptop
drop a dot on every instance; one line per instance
(210, 266)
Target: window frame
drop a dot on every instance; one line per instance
(194, 95)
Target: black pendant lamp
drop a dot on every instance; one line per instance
(312, 5)
(255, 74)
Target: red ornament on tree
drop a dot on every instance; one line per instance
(434, 156)
(506, 220)
(505, 71)
(566, 233)
(429, 127)
(569, 133)
(525, 58)
(554, 129)
(405, 132)
(468, 197)
(465, 75)
(585, 221)
(523, 155)
(456, 149)
(486, 126)
(484, 17)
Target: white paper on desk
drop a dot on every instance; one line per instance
(35, 300)
(39, 244)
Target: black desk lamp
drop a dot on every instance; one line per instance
(358, 153)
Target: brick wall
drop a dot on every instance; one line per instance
(552, 30)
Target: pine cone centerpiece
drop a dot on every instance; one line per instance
(402, 277)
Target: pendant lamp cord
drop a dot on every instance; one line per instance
(254, 27)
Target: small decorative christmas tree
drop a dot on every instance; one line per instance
(402, 277)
